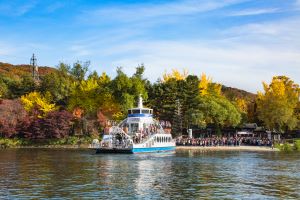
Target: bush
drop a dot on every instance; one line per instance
(277, 146)
(297, 145)
(286, 147)
(12, 142)
(71, 140)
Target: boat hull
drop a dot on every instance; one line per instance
(153, 149)
(136, 150)
(126, 151)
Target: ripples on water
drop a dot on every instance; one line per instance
(80, 174)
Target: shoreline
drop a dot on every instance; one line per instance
(178, 148)
(227, 148)
(82, 146)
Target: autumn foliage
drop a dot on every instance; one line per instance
(12, 114)
(69, 101)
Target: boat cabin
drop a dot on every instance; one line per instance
(140, 120)
(140, 112)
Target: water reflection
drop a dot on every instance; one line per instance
(38, 173)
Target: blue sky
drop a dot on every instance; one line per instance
(238, 43)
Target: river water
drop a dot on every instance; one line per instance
(81, 174)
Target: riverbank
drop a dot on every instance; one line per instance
(227, 148)
(178, 148)
(63, 143)
(82, 146)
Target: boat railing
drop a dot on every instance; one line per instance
(125, 144)
(94, 146)
(141, 139)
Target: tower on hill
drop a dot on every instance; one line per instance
(34, 68)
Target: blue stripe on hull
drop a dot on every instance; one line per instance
(152, 149)
(136, 150)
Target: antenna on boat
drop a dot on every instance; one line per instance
(140, 103)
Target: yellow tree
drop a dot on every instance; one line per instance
(241, 105)
(35, 101)
(104, 79)
(277, 106)
(206, 86)
(83, 95)
(175, 74)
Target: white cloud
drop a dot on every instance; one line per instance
(236, 65)
(140, 12)
(241, 56)
(284, 32)
(255, 12)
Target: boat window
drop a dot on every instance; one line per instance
(145, 111)
(134, 127)
(151, 111)
(169, 139)
(129, 111)
(136, 111)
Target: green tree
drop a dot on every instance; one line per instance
(219, 111)
(17, 88)
(79, 70)
(127, 89)
(192, 115)
(3, 89)
(58, 83)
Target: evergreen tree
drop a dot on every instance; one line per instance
(177, 120)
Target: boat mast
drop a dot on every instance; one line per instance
(140, 103)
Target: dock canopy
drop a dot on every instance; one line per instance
(244, 133)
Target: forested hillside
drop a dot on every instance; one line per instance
(69, 101)
(18, 71)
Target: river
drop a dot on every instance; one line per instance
(81, 174)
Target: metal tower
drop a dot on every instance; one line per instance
(35, 68)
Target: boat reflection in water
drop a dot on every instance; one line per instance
(138, 133)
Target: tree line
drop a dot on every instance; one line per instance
(71, 100)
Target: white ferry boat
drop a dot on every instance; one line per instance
(138, 133)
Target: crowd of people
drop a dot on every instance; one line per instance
(224, 141)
